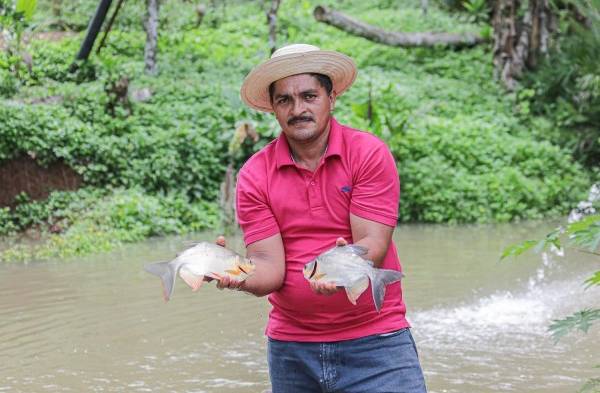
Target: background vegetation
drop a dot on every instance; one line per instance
(466, 150)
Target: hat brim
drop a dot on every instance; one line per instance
(337, 66)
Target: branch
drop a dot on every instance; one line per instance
(392, 38)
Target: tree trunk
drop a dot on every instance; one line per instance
(151, 38)
(272, 21)
(519, 41)
(56, 9)
(352, 26)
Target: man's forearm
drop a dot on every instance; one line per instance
(265, 279)
(377, 248)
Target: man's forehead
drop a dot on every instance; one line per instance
(299, 81)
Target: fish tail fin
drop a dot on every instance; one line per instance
(379, 280)
(167, 274)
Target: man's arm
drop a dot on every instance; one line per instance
(269, 257)
(372, 235)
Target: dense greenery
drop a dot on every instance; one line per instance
(94, 220)
(566, 87)
(466, 151)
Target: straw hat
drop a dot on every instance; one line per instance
(292, 60)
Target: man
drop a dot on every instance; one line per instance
(318, 181)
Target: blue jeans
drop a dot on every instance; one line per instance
(385, 363)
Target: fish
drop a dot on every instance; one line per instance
(344, 266)
(202, 262)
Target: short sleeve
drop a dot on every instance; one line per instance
(253, 211)
(376, 188)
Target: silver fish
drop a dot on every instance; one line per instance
(344, 266)
(202, 260)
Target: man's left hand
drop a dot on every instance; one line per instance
(328, 288)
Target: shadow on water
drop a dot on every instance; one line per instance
(100, 324)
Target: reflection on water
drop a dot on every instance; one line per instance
(100, 324)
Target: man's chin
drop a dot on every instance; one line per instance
(302, 127)
(300, 133)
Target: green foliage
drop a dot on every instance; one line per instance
(591, 386)
(581, 320)
(593, 280)
(7, 226)
(26, 7)
(463, 153)
(567, 83)
(585, 234)
(15, 18)
(478, 9)
(95, 220)
(517, 249)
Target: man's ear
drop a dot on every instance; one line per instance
(332, 98)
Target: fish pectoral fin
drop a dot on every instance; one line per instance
(319, 276)
(354, 291)
(192, 280)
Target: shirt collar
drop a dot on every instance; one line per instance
(283, 155)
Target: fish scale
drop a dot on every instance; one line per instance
(200, 263)
(344, 266)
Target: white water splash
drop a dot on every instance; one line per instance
(506, 315)
(585, 208)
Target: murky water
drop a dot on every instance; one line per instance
(99, 324)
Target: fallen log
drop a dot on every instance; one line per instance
(392, 38)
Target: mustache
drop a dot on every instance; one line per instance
(296, 119)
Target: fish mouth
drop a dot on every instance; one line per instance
(313, 271)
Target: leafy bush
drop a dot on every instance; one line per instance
(464, 154)
(566, 88)
(95, 220)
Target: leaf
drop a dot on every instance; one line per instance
(586, 233)
(27, 7)
(581, 320)
(594, 280)
(518, 249)
(583, 224)
(551, 238)
(591, 386)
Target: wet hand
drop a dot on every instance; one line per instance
(327, 288)
(229, 283)
(226, 281)
(323, 288)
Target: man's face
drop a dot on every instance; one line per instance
(302, 107)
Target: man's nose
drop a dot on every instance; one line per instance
(298, 107)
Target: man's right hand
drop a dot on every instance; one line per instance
(226, 281)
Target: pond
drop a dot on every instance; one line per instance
(99, 323)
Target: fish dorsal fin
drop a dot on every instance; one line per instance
(188, 246)
(356, 289)
(358, 250)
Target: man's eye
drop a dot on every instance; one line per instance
(282, 100)
(310, 96)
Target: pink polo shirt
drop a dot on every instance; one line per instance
(311, 209)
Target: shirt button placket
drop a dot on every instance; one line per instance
(313, 194)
